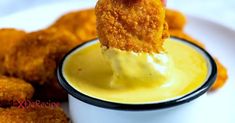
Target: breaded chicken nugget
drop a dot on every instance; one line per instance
(131, 25)
(12, 89)
(222, 72)
(175, 19)
(80, 23)
(222, 76)
(35, 58)
(33, 115)
(9, 37)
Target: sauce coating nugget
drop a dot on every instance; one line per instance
(175, 19)
(12, 89)
(35, 58)
(80, 23)
(9, 37)
(33, 115)
(131, 25)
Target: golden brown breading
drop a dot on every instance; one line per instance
(33, 115)
(9, 37)
(12, 89)
(131, 25)
(222, 76)
(35, 58)
(80, 23)
(222, 72)
(175, 19)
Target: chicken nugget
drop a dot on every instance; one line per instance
(13, 90)
(9, 37)
(131, 25)
(175, 19)
(36, 57)
(33, 115)
(80, 23)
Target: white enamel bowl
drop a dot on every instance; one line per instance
(86, 109)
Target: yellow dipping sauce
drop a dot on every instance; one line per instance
(136, 78)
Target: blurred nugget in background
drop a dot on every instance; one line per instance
(80, 23)
(37, 55)
(33, 115)
(13, 90)
(175, 19)
(9, 37)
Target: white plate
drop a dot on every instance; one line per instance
(220, 42)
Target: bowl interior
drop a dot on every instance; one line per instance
(211, 76)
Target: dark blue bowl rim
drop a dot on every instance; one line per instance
(139, 107)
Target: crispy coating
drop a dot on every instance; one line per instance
(131, 25)
(222, 71)
(33, 115)
(221, 77)
(175, 19)
(13, 89)
(80, 23)
(35, 58)
(9, 37)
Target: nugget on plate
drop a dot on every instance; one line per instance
(33, 115)
(175, 19)
(36, 57)
(80, 23)
(9, 37)
(13, 90)
(131, 25)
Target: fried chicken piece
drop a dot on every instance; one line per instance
(175, 19)
(13, 89)
(131, 25)
(35, 58)
(222, 76)
(222, 72)
(9, 37)
(80, 23)
(33, 115)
